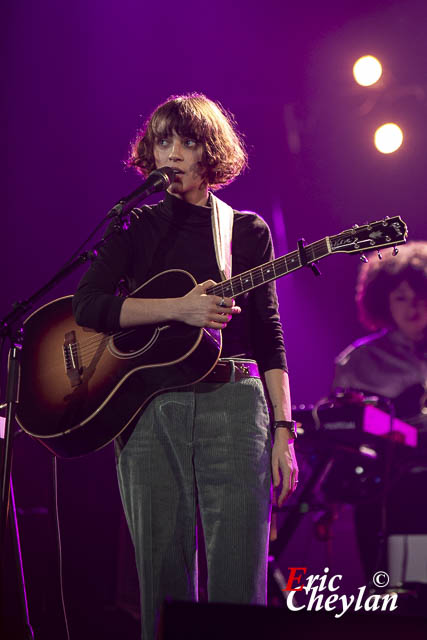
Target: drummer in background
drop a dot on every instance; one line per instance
(391, 296)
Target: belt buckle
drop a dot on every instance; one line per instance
(242, 368)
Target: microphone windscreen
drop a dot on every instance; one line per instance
(166, 175)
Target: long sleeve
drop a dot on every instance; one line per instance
(95, 304)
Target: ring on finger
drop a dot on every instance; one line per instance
(222, 303)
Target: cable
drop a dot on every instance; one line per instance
(2, 342)
(59, 546)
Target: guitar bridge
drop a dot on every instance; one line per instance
(71, 359)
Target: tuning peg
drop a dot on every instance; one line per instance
(363, 258)
(395, 250)
(379, 255)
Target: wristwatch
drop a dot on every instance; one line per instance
(290, 425)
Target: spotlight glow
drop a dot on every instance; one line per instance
(367, 70)
(388, 138)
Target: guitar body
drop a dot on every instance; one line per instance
(80, 389)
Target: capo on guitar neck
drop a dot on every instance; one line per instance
(303, 258)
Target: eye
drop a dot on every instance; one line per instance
(163, 142)
(190, 143)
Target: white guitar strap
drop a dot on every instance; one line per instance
(222, 231)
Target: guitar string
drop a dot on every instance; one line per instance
(89, 347)
(94, 342)
(278, 262)
(309, 249)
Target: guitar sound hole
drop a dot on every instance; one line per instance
(134, 341)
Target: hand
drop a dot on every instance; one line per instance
(284, 464)
(198, 309)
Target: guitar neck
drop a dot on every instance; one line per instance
(373, 235)
(272, 270)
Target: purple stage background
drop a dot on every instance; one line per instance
(80, 79)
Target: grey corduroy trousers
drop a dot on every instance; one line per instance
(208, 445)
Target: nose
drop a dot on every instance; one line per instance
(176, 150)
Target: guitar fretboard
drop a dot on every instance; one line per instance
(271, 270)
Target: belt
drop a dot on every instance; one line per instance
(224, 368)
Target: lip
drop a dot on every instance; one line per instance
(178, 175)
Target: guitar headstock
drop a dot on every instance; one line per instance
(374, 235)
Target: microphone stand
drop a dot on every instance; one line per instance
(119, 213)
(16, 337)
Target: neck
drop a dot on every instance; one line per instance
(198, 198)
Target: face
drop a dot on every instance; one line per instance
(408, 311)
(184, 155)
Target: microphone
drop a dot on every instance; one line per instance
(158, 180)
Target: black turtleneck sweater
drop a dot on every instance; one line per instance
(176, 235)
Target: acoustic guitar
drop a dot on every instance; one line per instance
(80, 389)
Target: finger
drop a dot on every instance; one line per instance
(283, 495)
(224, 302)
(221, 302)
(287, 488)
(232, 310)
(213, 324)
(216, 323)
(292, 486)
(221, 317)
(276, 474)
(207, 284)
(285, 492)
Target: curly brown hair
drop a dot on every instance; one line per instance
(378, 278)
(194, 116)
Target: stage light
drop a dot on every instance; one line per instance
(367, 70)
(388, 138)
